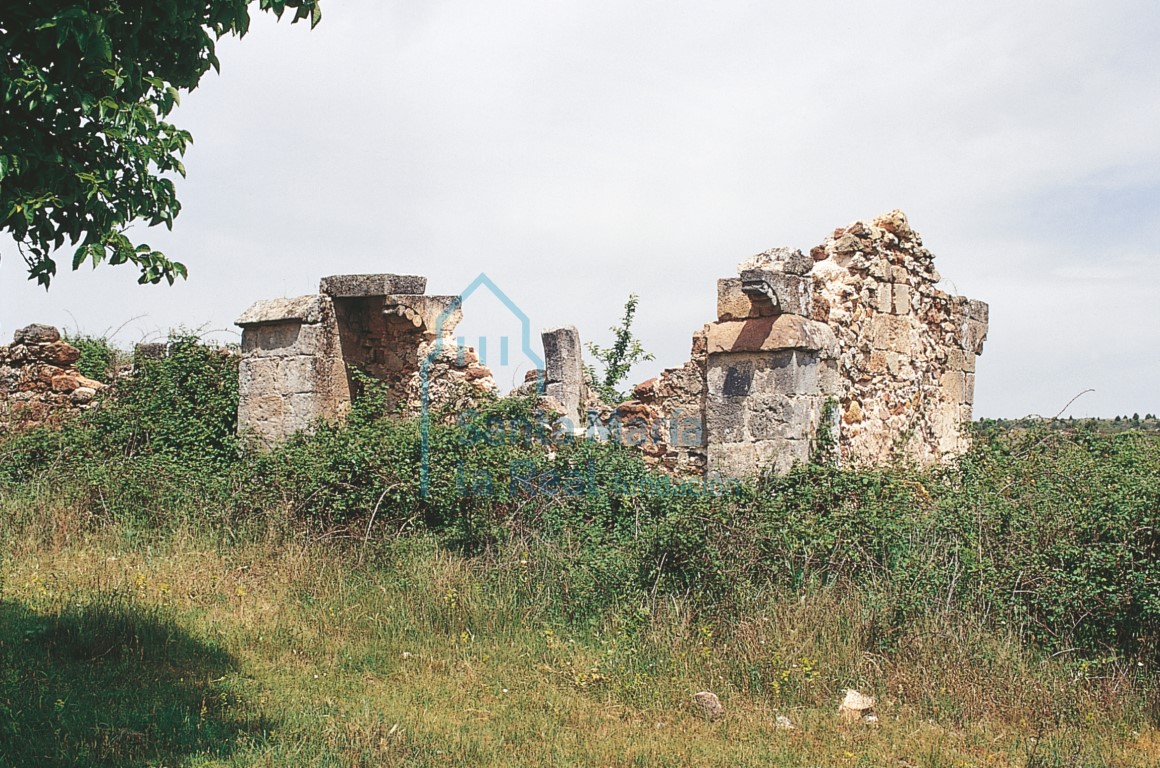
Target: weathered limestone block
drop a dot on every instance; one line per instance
(792, 294)
(292, 373)
(432, 316)
(301, 375)
(59, 353)
(791, 261)
(769, 334)
(65, 382)
(352, 286)
(784, 292)
(960, 360)
(794, 262)
(891, 333)
(734, 304)
(36, 334)
(953, 385)
(303, 310)
(978, 310)
(974, 333)
(883, 297)
(83, 395)
(746, 459)
(901, 294)
(564, 370)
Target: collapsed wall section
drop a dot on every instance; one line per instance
(39, 382)
(853, 342)
(851, 350)
(375, 338)
(665, 419)
(906, 349)
(306, 359)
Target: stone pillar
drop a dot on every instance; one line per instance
(564, 370)
(766, 386)
(770, 368)
(292, 372)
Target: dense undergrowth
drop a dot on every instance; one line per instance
(1036, 548)
(1053, 534)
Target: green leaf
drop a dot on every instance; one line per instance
(87, 136)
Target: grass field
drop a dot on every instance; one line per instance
(127, 648)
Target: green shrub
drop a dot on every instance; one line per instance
(99, 359)
(1060, 531)
(162, 441)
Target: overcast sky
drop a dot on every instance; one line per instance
(577, 152)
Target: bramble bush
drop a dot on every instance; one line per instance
(98, 359)
(160, 440)
(1051, 534)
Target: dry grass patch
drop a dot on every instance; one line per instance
(411, 655)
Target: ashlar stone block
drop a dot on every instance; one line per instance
(564, 368)
(357, 286)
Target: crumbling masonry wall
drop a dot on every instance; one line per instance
(853, 340)
(304, 358)
(759, 382)
(39, 383)
(906, 350)
(856, 335)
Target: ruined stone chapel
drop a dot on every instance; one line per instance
(850, 350)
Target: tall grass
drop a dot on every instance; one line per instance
(286, 650)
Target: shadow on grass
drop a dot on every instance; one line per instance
(112, 683)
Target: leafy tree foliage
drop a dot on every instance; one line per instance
(85, 149)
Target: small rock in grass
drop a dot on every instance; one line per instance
(784, 723)
(709, 705)
(855, 705)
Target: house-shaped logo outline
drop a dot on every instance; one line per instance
(425, 364)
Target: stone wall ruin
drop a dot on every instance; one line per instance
(851, 352)
(304, 358)
(854, 341)
(39, 383)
